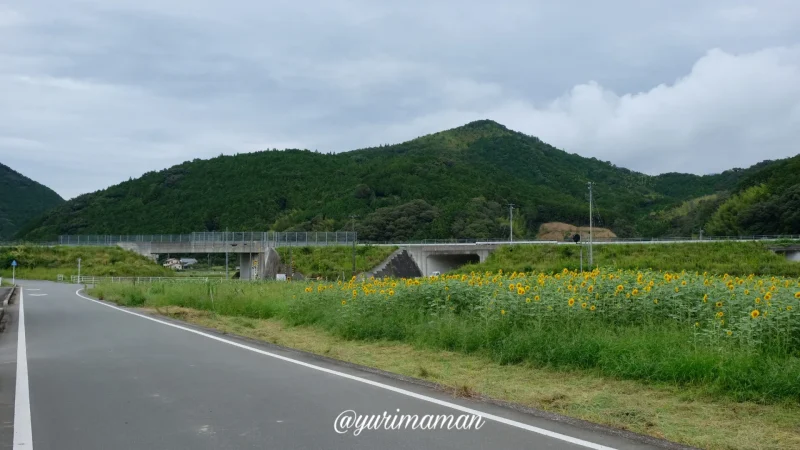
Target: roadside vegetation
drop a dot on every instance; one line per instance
(733, 258)
(46, 263)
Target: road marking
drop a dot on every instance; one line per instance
(387, 387)
(23, 438)
(37, 295)
(33, 290)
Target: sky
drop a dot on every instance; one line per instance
(94, 92)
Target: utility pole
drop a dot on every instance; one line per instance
(510, 222)
(225, 243)
(591, 234)
(79, 270)
(354, 244)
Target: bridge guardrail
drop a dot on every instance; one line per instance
(268, 238)
(312, 239)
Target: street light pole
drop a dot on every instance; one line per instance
(225, 243)
(591, 234)
(510, 222)
(354, 244)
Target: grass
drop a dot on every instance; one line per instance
(333, 262)
(735, 258)
(679, 414)
(46, 263)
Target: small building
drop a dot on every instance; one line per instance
(174, 264)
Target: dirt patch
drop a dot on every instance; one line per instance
(559, 231)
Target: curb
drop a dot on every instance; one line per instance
(8, 297)
(5, 303)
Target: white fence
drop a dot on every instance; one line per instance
(75, 279)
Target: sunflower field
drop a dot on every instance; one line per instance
(736, 335)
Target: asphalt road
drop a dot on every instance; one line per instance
(103, 378)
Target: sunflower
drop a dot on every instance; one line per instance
(797, 295)
(620, 288)
(719, 304)
(571, 302)
(528, 300)
(344, 302)
(584, 305)
(768, 296)
(758, 300)
(754, 313)
(520, 291)
(705, 298)
(655, 302)
(635, 291)
(391, 292)
(591, 289)
(592, 308)
(537, 298)
(729, 332)
(720, 313)
(503, 311)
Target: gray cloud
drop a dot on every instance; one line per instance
(95, 91)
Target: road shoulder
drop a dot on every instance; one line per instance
(8, 372)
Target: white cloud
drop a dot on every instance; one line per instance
(729, 111)
(93, 92)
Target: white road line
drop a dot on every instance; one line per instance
(23, 437)
(387, 387)
(37, 295)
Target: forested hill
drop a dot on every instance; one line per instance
(765, 202)
(21, 199)
(452, 184)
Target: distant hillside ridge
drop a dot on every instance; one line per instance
(452, 184)
(21, 200)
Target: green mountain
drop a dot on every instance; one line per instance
(21, 199)
(452, 184)
(765, 202)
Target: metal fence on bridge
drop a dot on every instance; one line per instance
(268, 238)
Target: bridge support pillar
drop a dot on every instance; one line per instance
(259, 266)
